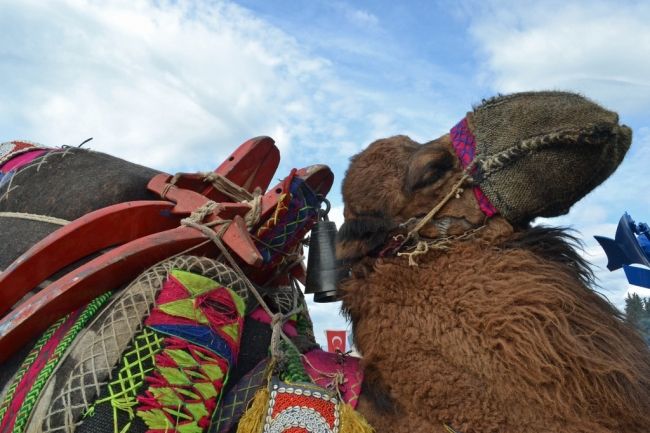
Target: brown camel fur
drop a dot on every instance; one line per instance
(494, 331)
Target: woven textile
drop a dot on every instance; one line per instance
(39, 365)
(89, 366)
(235, 402)
(10, 151)
(172, 376)
(541, 152)
(295, 214)
(16, 154)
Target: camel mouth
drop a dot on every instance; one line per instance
(362, 236)
(449, 225)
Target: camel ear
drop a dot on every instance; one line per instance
(428, 165)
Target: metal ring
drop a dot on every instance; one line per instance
(328, 206)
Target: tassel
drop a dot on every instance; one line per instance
(253, 419)
(352, 421)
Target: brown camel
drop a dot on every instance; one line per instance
(493, 326)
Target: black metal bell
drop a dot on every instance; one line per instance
(323, 273)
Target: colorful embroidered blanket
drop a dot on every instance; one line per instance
(171, 378)
(16, 154)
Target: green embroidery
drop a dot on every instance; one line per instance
(29, 360)
(214, 372)
(174, 376)
(24, 413)
(194, 283)
(156, 420)
(240, 304)
(166, 396)
(182, 358)
(184, 374)
(184, 308)
(206, 389)
(232, 331)
(191, 427)
(122, 391)
(294, 370)
(197, 410)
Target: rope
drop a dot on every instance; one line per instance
(229, 188)
(226, 186)
(456, 190)
(252, 217)
(440, 243)
(422, 247)
(34, 217)
(444, 243)
(501, 159)
(195, 220)
(337, 379)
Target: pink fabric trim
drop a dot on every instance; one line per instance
(464, 144)
(323, 366)
(25, 385)
(23, 159)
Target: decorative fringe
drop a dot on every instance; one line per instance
(352, 421)
(253, 419)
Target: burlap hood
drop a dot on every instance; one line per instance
(540, 152)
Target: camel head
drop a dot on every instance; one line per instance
(510, 160)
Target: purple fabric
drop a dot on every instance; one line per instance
(464, 144)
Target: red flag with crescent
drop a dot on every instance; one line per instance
(336, 340)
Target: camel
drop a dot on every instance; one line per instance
(469, 318)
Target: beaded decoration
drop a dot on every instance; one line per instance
(301, 408)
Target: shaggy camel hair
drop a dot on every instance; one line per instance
(494, 331)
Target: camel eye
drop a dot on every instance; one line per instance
(433, 171)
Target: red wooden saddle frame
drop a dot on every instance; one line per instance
(142, 234)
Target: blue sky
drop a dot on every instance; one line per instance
(176, 85)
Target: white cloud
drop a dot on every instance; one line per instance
(361, 17)
(167, 84)
(601, 48)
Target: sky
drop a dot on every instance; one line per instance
(177, 85)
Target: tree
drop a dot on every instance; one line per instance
(635, 308)
(637, 312)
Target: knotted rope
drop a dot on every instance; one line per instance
(230, 189)
(226, 186)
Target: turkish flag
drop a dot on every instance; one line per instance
(336, 341)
